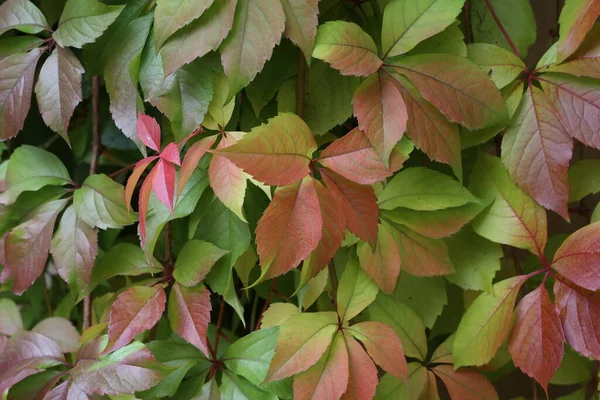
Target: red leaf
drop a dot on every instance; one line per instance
(357, 202)
(383, 264)
(576, 20)
(135, 310)
(148, 131)
(192, 158)
(381, 113)
(383, 345)
(578, 258)
(290, 228)
(171, 154)
(163, 183)
(579, 311)
(189, 314)
(66, 391)
(133, 179)
(536, 150)
(27, 245)
(536, 342)
(465, 384)
(332, 233)
(362, 382)
(328, 378)
(353, 157)
(144, 199)
(276, 153)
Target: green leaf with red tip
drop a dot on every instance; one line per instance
(134, 311)
(290, 228)
(189, 314)
(195, 260)
(465, 384)
(301, 23)
(576, 20)
(355, 292)
(381, 112)
(302, 340)
(586, 60)
(347, 48)
(486, 324)
(362, 372)
(275, 153)
(383, 264)
(536, 341)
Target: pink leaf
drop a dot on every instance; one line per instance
(163, 183)
(171, 154)
(192, 158)
(148, 131)
(189, 314)
(227, 180)
(536, 342)
(135, 310)
(465, 384)
(362, 381)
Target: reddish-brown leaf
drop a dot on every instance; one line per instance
(357, 202)
(332, 233)
(536, 341)
(422, 256)
(586, 60)
(135, 310)
(144, 199)
(163, 183)
(27, 245)
(290, 228)
(192, 158)
(353, 157)
(148, 131)
(579, 311)
(576, 20)
(135, 176)
(465, 384)
(276, 153)
(328, 378)
(578, 258)
(362, 380)
(381, 112)
(383, 345)
(189, 314)
(536, 150)
(383, 264)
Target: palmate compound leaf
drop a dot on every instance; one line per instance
(383, 264)
(189, 314)
(579, 309)
(536, 341)
(407, 23)
(465, 384)
(578, 257)
(58, 89)
(381, 113)
(27, 245)
(576, 19)
(362, 376)
(23, 16)
(457, 87)
(290, 228)
(347, 48)
(301, 342)
(536, 150)
(148, 131)
(355, 292)
(134, 311)
(301, 23)
(486, 323)
(257, 29)
(276, 153)
(172, 15)
(586, 60)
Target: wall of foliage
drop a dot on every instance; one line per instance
(297, 199)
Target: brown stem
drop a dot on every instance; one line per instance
(334, 281)
(267, 302)
(502, 29)
(219, 326)
(301, 85)
(127, 168)
(467, 15)
(168, 246)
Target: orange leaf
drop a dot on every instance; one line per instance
(192, 158)
(133, 179)
(465, 384)
(383, 264)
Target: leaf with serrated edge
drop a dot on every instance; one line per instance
(301, 23)
(21, 15)
(189, 314)
(465, 384)
(250, 356)
(191, 160)
(586, 60)
(172, 15)
(277, 314)
(536, 341)
(420, 255)
(347, 48)
(576, 20)
(163, 183)
(195, 260)
(383, 264)
(392, 388)
(362, 377)
(486, 323)
(227, 180)
(355, 292)
(148, 131)
(501, 65)
(135, 176)
(302, 340)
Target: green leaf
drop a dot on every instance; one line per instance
(583, 178)
(391, 387)
(573, 369)
(195, 260)
(121, 75)
(475, 259)
(355, 292)
(406, 323)
(220, 109)
(501, 65)
(235, 387)
(257, 28)
(515, 15)
(277, 314)
(408, 22)
(172, 15)
(100, 202)
(21, 15)
(576, 19)
(31, 168)
(425, 296)
(18, 44)
(251, 355)
(486, 323)
(423, 189)
(16, 83)
(10, 318)
(58, 89)
(83, 21)
(451, 40)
